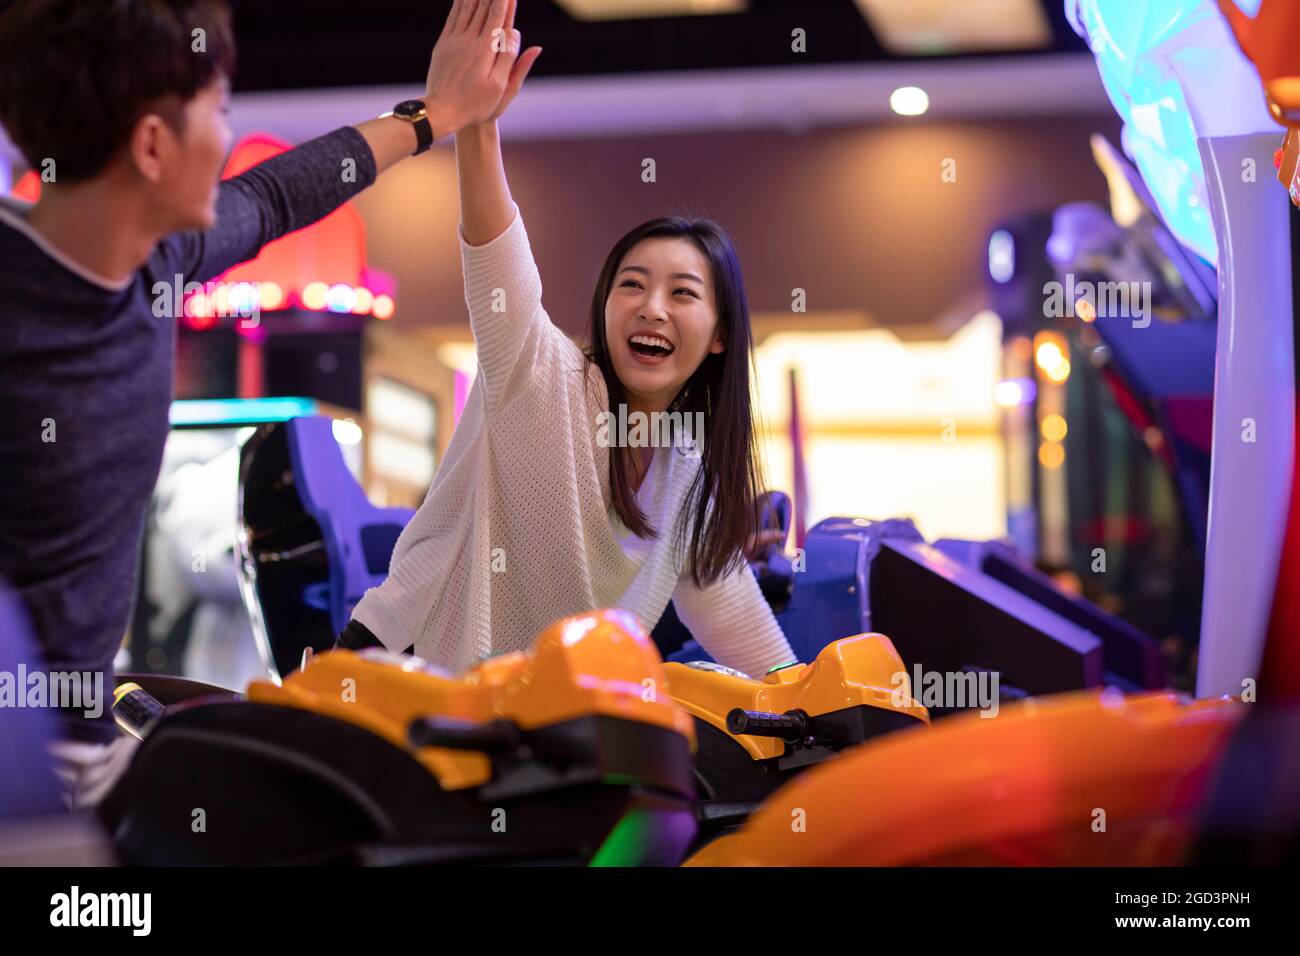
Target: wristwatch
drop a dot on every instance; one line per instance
(415, 113)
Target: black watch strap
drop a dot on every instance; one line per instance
(415, 113)
(423, 135)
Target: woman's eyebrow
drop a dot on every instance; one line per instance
(675, 275)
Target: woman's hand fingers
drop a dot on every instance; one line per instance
(521, 68)
(507, 51)
(518, 73)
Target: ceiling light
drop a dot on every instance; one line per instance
(937, 27)
(646, 9)
(909, 101)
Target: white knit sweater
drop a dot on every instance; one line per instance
(517, 529)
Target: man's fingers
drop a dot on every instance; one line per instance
(456, 19)
(449, 24)
(488, 16)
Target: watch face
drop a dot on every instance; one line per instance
(409, 108)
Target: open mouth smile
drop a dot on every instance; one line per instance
(649, 348)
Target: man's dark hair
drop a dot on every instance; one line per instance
(76, 75)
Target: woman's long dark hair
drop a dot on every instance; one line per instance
(720, 388)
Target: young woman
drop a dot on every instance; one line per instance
(539, 511)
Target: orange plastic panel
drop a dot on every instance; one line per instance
(1270, 42)
(856, 671)
(1075, 779)
(597, 664)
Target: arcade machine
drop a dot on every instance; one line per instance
(948, 614)
(972, 610)
(1201, 136)
(310, 541)
(312, 544)
(1212, 780)
(1193, 215)
(1110, 373)
(548, 757)
(1265, 39)
(967, 609)
(189, 617)
(593, 750)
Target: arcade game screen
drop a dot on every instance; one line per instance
(671, 434)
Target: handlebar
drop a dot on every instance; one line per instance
(792, 726)
(499, 736)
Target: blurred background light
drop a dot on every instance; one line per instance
(909, 101)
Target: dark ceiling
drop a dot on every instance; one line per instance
(300, 44)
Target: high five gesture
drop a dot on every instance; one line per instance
(474, 72)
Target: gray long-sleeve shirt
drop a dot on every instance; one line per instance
(85, 386)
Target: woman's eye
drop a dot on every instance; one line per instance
(690, 292)
(631, 282)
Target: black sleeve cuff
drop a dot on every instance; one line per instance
(357, 636)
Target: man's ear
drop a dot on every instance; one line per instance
(152, 141)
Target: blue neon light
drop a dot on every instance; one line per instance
(1002, 256)
(239, 411)
(1174, 73)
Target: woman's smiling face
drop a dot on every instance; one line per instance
(661, 319)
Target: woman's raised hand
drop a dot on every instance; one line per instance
(519, 64)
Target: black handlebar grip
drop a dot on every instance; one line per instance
(500, 736)
(135, 710)
(792, 725)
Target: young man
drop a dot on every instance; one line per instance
(121, 107)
